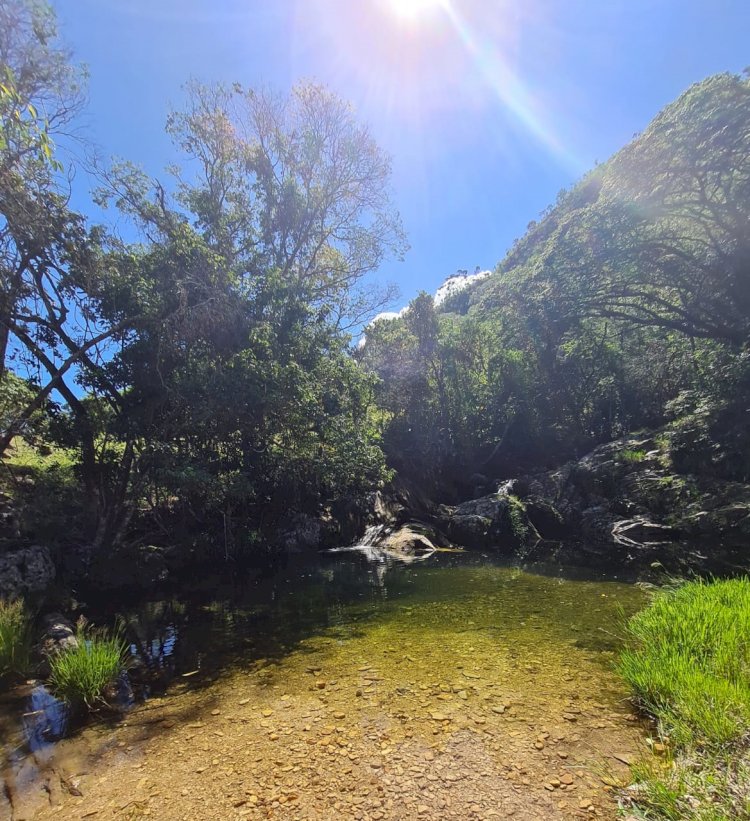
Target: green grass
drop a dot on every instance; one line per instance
(687, 660)
(80, 676)
(15, 640)
(632, 457)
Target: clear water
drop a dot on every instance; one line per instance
(454, 627)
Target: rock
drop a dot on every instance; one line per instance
(548, 521)
(407, 541)
(301, 533)
(498, 521)
(25, 570)
(58, 634)
(641, 532)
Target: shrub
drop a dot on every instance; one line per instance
(15, 639)
(81, 675)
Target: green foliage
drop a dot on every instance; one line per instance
(632, 457)
(44, 484)
(687, 661)
(15, 640)
(598, 318)
(518, 521)
(206, 375)
(218, 386)
(81, 675)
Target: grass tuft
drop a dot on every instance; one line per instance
(15, 639)
(81, 675)
(687, 660)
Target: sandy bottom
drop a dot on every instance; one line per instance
(423, 715)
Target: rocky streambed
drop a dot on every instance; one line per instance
(448, 688)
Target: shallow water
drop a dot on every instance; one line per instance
(456, 656)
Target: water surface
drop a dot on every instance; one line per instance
(321, 677)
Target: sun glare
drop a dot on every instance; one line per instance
(411, 10)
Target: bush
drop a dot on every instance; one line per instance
(15, 639)
(81, 675)
(687, 660)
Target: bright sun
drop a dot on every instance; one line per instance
(413, 9)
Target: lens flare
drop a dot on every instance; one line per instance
(412, 10)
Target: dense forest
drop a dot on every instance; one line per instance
(183, 371)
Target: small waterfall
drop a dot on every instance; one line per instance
(373, 535)
(368, 544)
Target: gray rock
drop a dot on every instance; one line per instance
(498, 521)
(407, 542)
(25, 570)
(59, 634)
(302, 533)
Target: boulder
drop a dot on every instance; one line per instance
(406, 541)
(26, 570)
(496, 521)
(302, 533)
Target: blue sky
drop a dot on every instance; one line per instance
(487, 107)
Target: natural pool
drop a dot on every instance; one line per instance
(453, 687)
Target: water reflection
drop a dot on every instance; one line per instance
(46, 719)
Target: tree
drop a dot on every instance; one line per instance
(40, 95)
(240, 390)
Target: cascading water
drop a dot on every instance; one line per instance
(373, 536)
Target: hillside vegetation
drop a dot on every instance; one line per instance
(627, 305)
